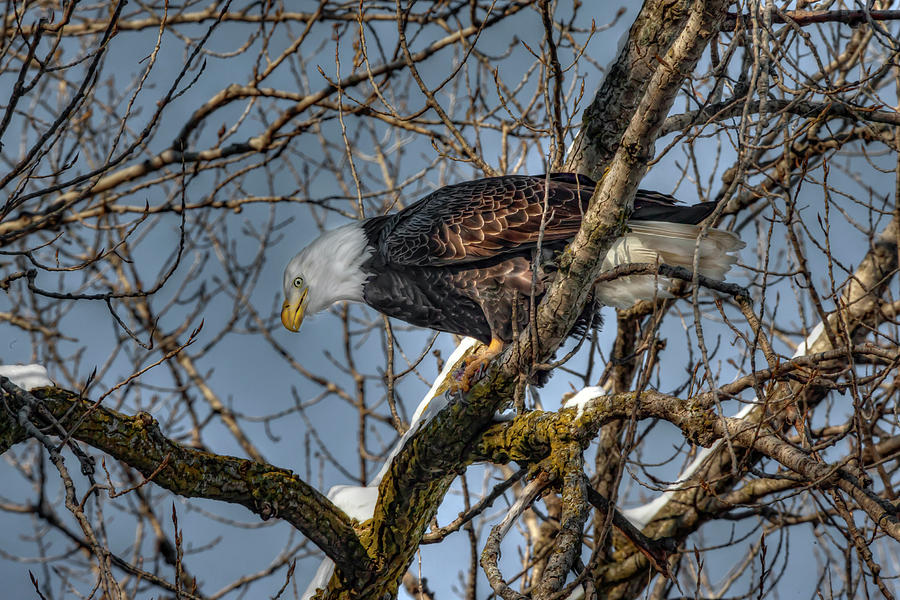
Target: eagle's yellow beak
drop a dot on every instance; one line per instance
(292, 312)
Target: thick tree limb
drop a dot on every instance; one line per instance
(604, 220)
(654, 31)
(266, 490)
(574, 514)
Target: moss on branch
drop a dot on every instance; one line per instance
(138, 441)
(532, 438)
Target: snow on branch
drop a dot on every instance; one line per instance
(27, 377)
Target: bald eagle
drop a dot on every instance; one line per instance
(460, 259)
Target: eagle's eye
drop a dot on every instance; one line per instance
(298, 282)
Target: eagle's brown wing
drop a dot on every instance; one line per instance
(475, 220)
(487, 218)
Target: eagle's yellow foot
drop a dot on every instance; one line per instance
(475, 362)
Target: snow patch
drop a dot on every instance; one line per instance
(320, 579)
(357, 501)
(27, 377)
(803, 348)
(430, 405)
(584, 397)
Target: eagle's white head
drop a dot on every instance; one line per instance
(327, 271)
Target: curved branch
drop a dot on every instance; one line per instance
(735, 107)
(811, 17)
(575, 512)
(490, 556)
(137, 441)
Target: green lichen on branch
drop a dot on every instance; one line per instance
(532, 438)
(138, 441)
(420, 476)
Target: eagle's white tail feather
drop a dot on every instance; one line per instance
(670, 243)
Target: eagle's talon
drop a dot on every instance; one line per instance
(476, 365)
(470, 374)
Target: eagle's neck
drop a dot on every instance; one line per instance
(333, 265)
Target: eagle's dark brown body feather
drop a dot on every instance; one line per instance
(459, 259)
